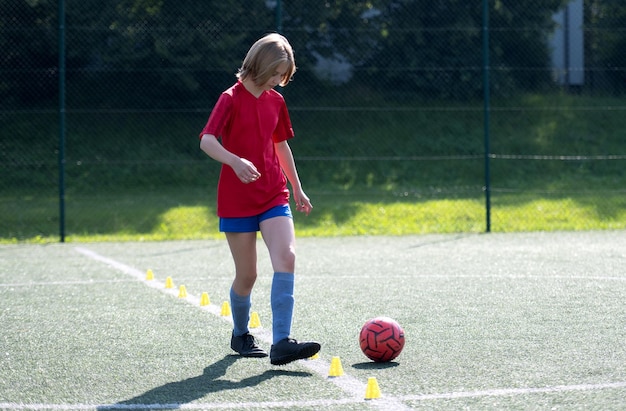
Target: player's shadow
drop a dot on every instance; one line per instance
(370, 365)
(175, 394)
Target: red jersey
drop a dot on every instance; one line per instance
(248, 127)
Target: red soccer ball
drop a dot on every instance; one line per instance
(381, 339)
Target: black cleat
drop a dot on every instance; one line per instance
(246, 346)
(288, 350)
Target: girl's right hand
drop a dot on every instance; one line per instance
(246, 171)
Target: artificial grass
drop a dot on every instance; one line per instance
(492, 321)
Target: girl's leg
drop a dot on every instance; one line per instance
(279, 236)
(243, 249)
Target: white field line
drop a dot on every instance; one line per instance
(353, 387)
(347, 383)
(504, 392)
(77, 282)
(156, 284)
(350, 385)
(190, 406)
(476, 276)
(347, 277)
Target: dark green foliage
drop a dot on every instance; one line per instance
(163, 54)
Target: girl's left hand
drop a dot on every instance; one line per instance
(303, 204)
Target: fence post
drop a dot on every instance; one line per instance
(279, 16)
(61, 12)
(486, 110)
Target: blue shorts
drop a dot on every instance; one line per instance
(252, 224)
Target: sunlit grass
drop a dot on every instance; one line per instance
(396, 218)
(165, 191)
(171, 216)
(561, 214)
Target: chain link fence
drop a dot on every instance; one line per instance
(389, 104)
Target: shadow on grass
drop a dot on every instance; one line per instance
(370, 365)
(175, 394)
(189, 213)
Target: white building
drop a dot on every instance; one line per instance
(568, 47)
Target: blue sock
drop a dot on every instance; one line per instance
(282, 305)
(240, 309)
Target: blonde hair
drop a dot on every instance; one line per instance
(264, 56)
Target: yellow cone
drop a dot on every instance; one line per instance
(372, 391)
(315, 356)
(255, 321)
(169, 283)
(149, 275)
(336, 370)
(204, 299)
(225, 309)
(182, 292)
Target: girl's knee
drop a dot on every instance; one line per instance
(245, 281)
(285, 260)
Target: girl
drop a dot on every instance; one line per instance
(253, 124)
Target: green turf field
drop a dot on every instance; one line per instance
(492, 321)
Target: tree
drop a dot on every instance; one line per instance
(434, 47)
(605, 44)
(29, 59)
(164, 53)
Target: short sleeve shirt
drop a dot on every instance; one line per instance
(248, 127)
